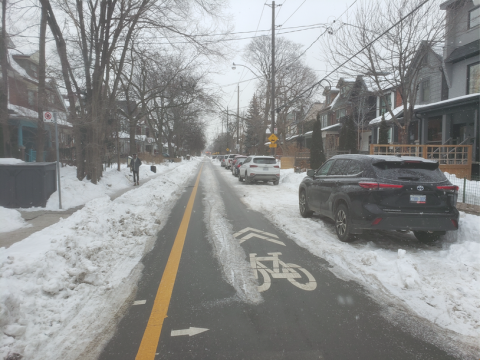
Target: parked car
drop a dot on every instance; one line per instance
(365, 192)
(229, 160)
(214, 157)
(259, 168)
(223, 160)
(236, 164)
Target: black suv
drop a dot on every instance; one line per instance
(366, 192)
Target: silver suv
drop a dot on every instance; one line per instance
(259, 168)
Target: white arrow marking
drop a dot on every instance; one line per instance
(249, 236)
(255, 230)
(190, 331)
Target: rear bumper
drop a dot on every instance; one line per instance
(408, 221)
(264, 177)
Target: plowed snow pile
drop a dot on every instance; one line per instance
(61, 287)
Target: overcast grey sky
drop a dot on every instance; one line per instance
(247, 16)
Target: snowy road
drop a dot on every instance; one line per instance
(237, 274)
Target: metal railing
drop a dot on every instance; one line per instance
(468, 190)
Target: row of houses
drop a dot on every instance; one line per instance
(446, 110)
(23, 116)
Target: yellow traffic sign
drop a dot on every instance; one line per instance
(228, 149)
(273, 145)
(273, 138)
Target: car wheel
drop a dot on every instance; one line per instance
(240, 178)
(427, 236)
(342, 223)
(247, 179)
(303, 205)
(276, 182)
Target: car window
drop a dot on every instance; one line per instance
(354, 167)
(264, 161)
(324, 169)
(339, 168)
(409, 171)
(247, 160)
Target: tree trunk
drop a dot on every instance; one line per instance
(41, 88)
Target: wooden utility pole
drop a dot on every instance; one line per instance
(273, 72)
(6, 150)
(42, 98)
(238, 114)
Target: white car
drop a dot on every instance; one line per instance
(259, 168)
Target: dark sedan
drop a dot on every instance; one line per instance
(367, 192)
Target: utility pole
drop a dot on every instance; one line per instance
(273, 71)
(238, 122)
(227, 129)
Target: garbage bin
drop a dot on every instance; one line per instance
(153, 168)
(27, 185)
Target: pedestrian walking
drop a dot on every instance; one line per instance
(135, 166)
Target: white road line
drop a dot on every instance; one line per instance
(249, 236)
(139, 302)
(190, 331)
(255, 230)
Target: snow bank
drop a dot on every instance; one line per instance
(231, 256)
(62, 288)
(11, 220)
(9, 161)
(76, 192)
(439, 282)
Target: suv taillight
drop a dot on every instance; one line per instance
(276, 166)
(374, 186)
(448, 187)
(252, 166)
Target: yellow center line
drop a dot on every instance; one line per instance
(148, 346)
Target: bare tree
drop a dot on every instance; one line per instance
(389, 61)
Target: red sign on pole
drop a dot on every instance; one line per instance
(47, 115)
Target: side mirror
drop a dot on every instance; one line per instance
(311, 173)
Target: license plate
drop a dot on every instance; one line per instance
(418, 199)
(265, 169)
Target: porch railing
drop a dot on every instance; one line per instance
(454, 159)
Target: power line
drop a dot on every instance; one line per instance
(294, 12)
(310, 88)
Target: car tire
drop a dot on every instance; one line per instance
(427, 237)
(303, 205)
(240, 178)
(248, 181)
(342, 223)
(276, 182)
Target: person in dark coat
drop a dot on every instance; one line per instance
(135, 166)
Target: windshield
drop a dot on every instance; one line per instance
(264, 161)
(409, 171)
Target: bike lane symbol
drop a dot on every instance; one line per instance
(280, 270)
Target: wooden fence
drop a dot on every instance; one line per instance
(454, 159)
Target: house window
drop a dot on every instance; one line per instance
(425, 91)
(435, 130)
(31, 97)
(341, 113)
(383, 105)
(474, 17)
(473, 78)
(324, 120)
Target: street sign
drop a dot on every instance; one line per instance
(273, 145)
(47, 115)
(273, 138)
(228, 149)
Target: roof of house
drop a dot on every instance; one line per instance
(464, 52)
(397, 112)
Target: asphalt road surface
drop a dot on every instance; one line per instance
(185, 309)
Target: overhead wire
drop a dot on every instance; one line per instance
(312, 87)
(294, 12)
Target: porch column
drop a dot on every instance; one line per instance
(20, 134)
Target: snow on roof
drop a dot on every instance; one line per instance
(445, 102)
(331, 126)
(10, 161)
(388, 116)
(15, 66)
(22, 111)
(125, 135)
(334, 101)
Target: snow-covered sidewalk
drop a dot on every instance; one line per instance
(62, 287)
(439, 282)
